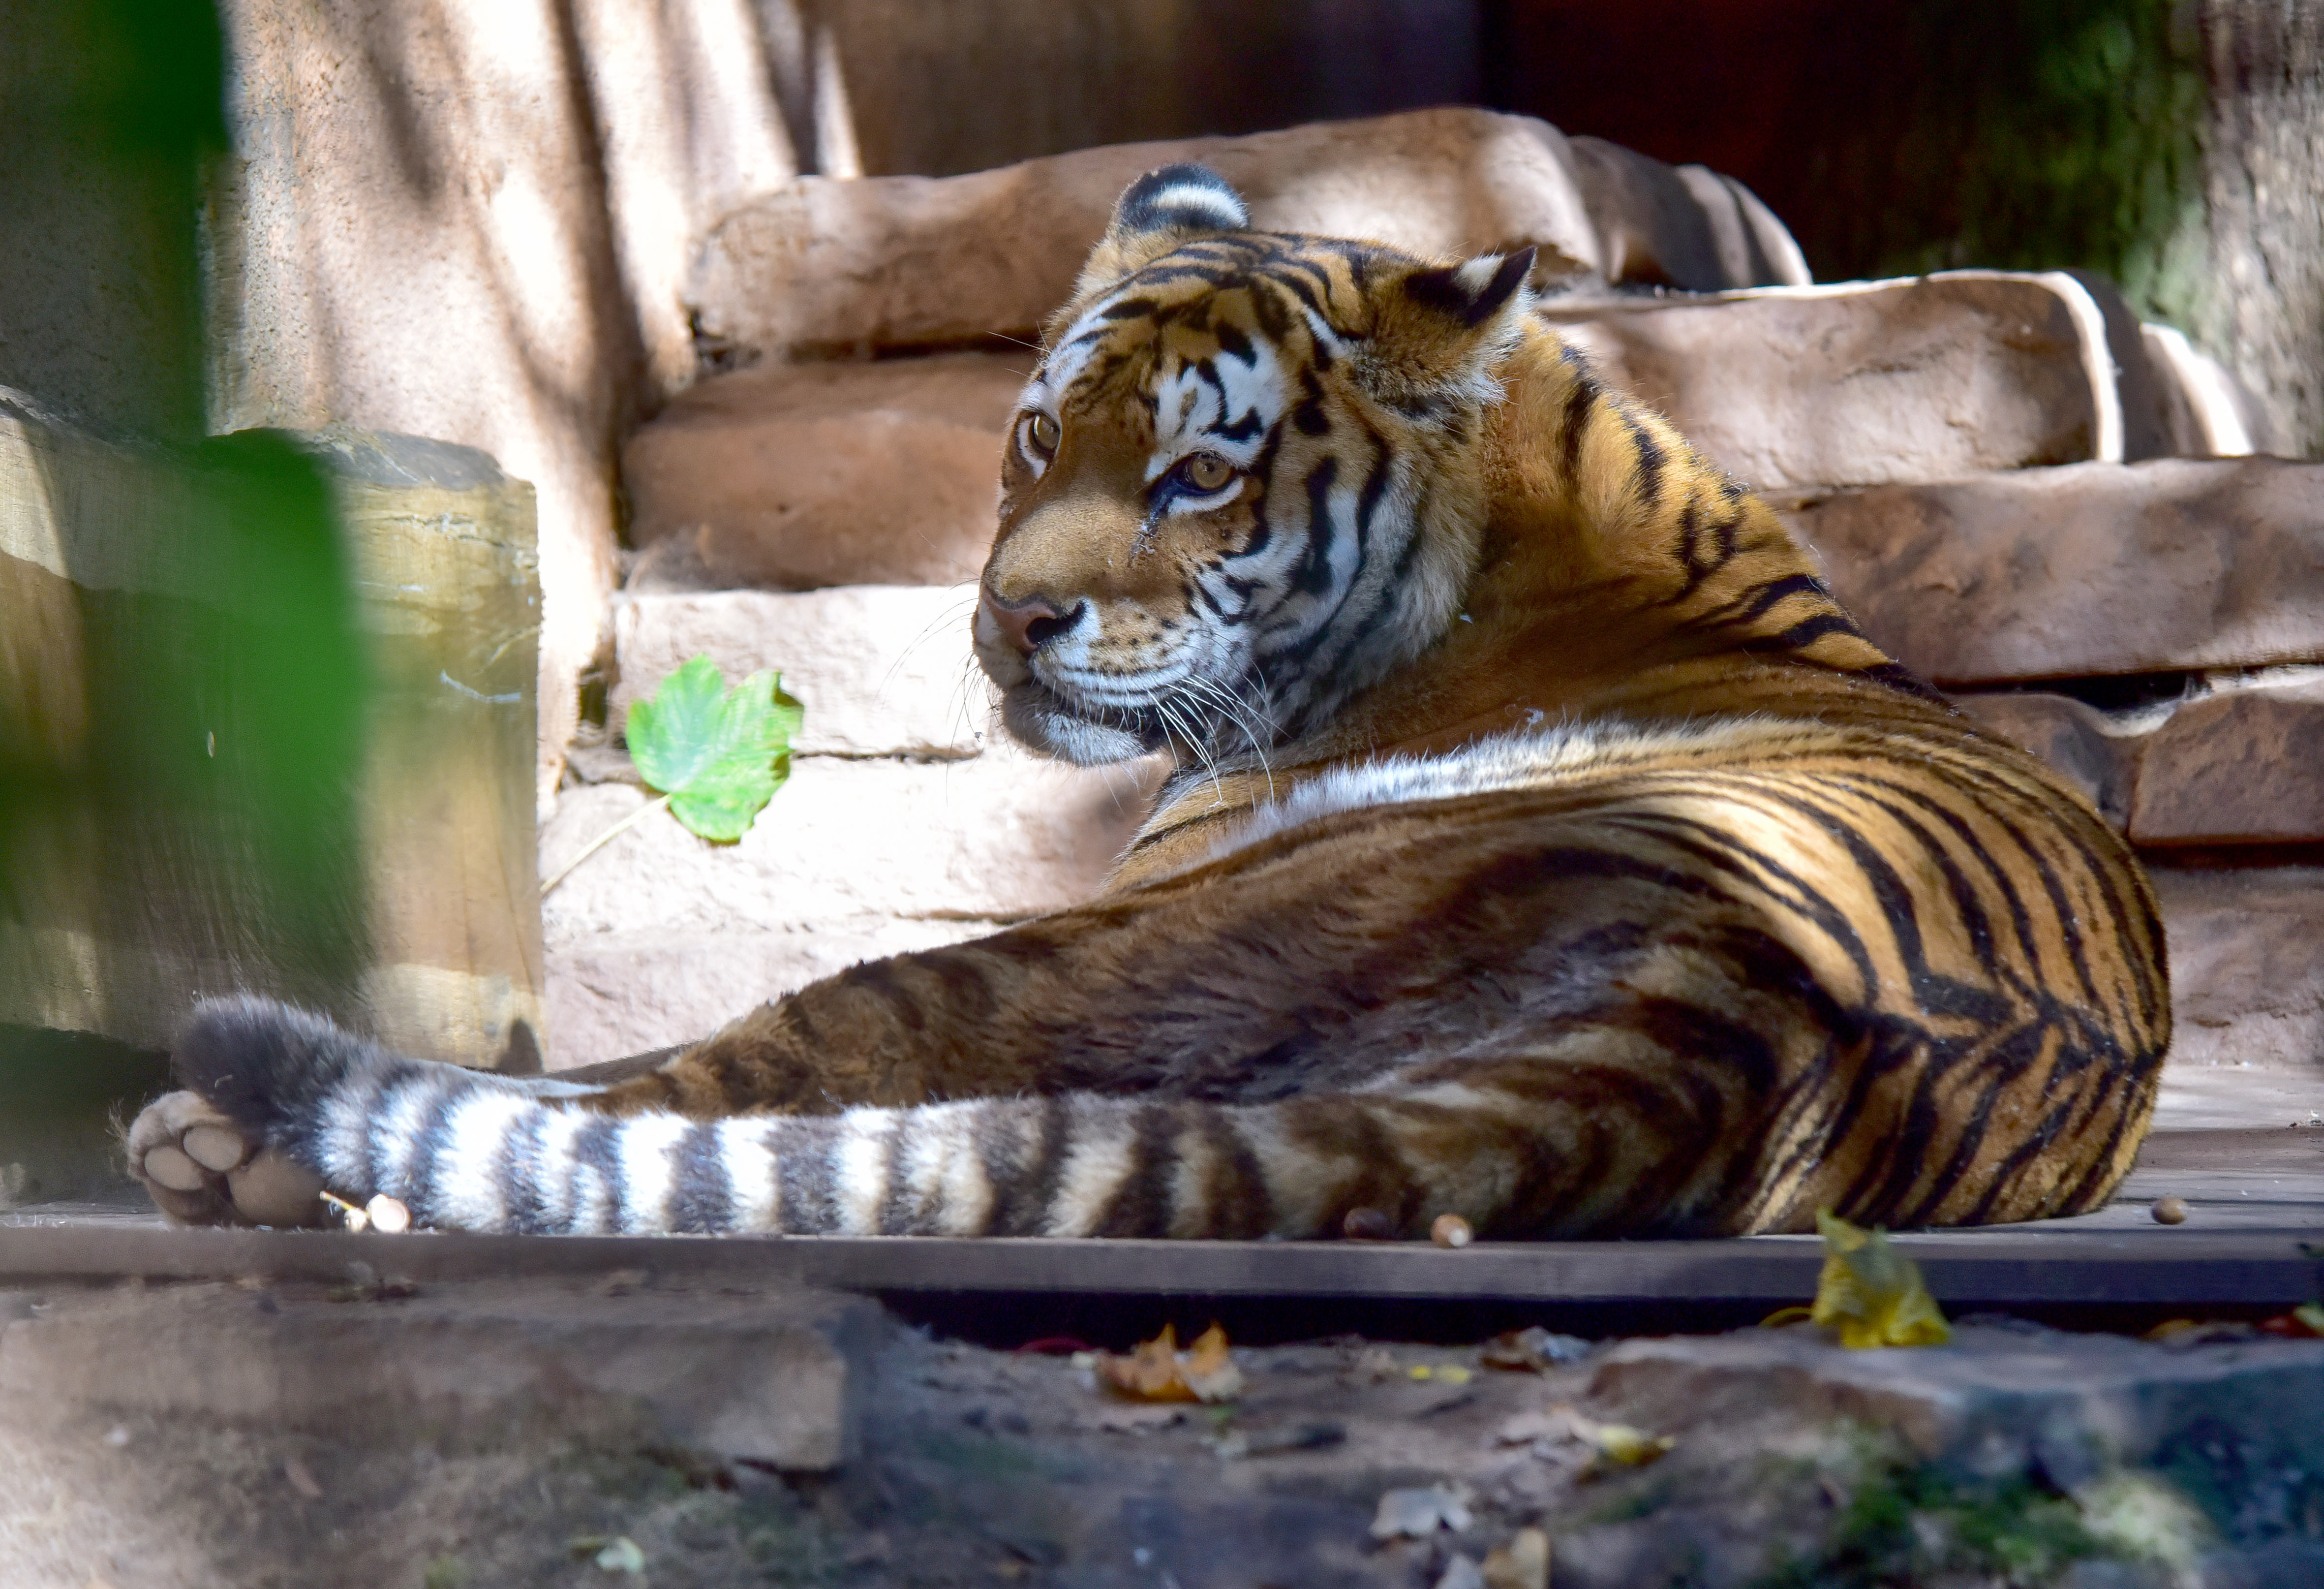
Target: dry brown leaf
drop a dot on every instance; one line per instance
(1532, 1349)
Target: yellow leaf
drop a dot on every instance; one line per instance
(1629, 1446)
(1617, 1442)
(1870, 1293)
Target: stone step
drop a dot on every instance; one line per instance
(918, 262)
(881, 670)
(996, 838)
(2083, 572)
(2245, 765)
(786, 476)
(795, 477)
(2246, 948)
(616, 994)
(662, 937)
(905, 826)
(884, 672)
(2241, 763)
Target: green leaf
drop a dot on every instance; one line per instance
(719, 753)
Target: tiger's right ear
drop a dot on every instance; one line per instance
(1162, 210)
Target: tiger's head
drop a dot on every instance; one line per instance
(1234, 490)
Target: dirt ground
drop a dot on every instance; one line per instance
(978, 1466)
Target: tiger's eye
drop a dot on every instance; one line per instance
(1206, 472)
(1041, 433)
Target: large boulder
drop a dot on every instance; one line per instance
(2088, 570)
(1870, 383)
(918, 262)
(2240, 766)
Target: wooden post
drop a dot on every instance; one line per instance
(448, 594)
(266, 723)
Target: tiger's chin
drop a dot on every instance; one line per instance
(1036, 716)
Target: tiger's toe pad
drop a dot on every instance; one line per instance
(202, 1168)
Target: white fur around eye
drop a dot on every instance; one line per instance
(1193, 502)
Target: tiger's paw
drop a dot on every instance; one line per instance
(203, 1168)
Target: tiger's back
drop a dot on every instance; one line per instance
(1546, 846)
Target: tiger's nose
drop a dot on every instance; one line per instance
(1027, 626)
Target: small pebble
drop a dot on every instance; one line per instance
(2170, 1211)
(1450, 1230)
(388, 1214)
(1368, 1225)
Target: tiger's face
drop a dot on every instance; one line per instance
(1231, 495)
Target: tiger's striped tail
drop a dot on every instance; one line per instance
(471, 1150)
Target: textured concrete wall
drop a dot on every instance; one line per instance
(469, 222)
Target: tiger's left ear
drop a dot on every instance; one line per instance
(1162, 210)
(1440, 326)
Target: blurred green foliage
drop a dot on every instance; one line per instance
(124, 75)
(2025, 135)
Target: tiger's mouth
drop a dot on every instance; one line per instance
(1089, 736)
(1066, 718)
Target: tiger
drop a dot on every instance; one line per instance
(1541, 843)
